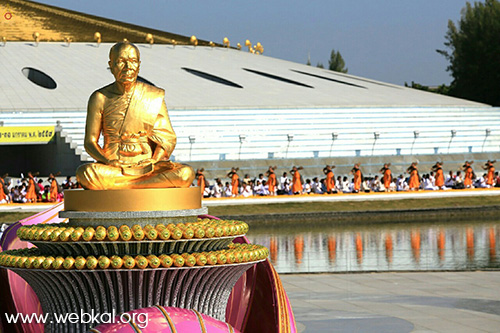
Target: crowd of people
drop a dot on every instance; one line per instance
(31, 189)
(292, 183)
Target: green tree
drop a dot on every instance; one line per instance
(320, 65)
(474, 52)
(336, 62)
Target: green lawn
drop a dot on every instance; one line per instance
(13, 217)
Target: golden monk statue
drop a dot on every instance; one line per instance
(138, 137)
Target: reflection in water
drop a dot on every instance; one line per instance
(415, 245)
(492, 242)
(298, 245)
(383, 247)
(332, 249)
(388, 247)
(441, 241)
(470, 243)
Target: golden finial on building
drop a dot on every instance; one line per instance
(225, 42)
(259, 48)
(68, 41)
(194, 40)
(212, 44)
(97, 38)
(36, 37)
(238, 46)
(174, 42)
(150, 39)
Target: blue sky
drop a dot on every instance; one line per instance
(387, 40)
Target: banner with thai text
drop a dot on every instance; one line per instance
(26, 134)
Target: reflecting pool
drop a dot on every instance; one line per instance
(383, 247)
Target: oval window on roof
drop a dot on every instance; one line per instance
(39, 78)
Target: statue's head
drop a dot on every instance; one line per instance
(124, 62)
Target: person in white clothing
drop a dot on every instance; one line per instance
(427, 183)
(246, 190)
(307, 188)
(401, 184)
(450, 180)
(218, 188)
(346, 188)
(228, 190)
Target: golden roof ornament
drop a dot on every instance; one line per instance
(97, 38)
(193, 40)
(36, 37)
(150, 39)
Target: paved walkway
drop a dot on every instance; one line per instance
(396, 302)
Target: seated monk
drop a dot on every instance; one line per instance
(138, 137)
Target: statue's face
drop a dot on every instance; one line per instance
(124, 64)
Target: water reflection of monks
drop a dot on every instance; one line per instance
(273, 249)
(388, 247)
(332, 248)
(492, 244)
(441, 241)
(359, 248)
(415, 244)
(469, 235)
(299, 248)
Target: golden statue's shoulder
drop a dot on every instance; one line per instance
(152, 89)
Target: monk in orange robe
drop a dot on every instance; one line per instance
(358, 177)
(201, 180)
(3, 196)
(330, 179)
(387, 176)
(234, 181)
(414, 183)
(469, 174)
(490, 177)
(296, 182)
(437, 168)
(31, 192)
(54, 188)
(271, 180)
